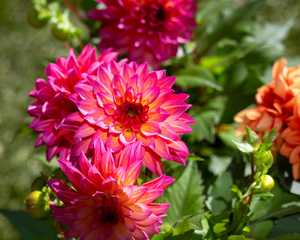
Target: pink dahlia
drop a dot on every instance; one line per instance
(104, 202)
(126, 103)
(149, 31)
(52, 110)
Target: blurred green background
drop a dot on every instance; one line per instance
(24, 52)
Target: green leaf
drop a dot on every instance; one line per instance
(190, 81)
(286, 210)
(252, 136)
(222, 186)
(281, 205)
(187, 224)
(190, 235)
(226, 26)
(195, 158)
(269, 138)
(207, 117)
(237, 237)
(290, 236)
(220, 193)
(158, 237)
(219, 164)
(29, 228)
(243, 146)
(186, 195)
(215, 64)
(261, 36)
(196, 76)
(204, 128)
(261, 230)
(287, 225)
(220, 227)
(227, 135)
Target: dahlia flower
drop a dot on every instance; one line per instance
(52, 110)
(290, 139)
(274, 102)
(126, 103)
(104, 202)
(278, 107)
(149, 31)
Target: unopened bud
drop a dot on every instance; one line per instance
(60, 32)
(36, 19)
(263, 160)
(37, 204)
(267, 157)
(267, 183)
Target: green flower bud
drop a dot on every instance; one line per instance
(267, 157)
(267, 183)
(37, 19)
(263, 160)
(37, 204)
(62, 27)
(59, 32)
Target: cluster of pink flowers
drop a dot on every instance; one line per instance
(277, 106)
(104, 118)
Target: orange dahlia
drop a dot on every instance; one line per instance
(274, 102)
(277, 107)
(290, 138)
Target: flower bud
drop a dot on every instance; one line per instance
(267, 183)
(60, 32)
(37, 204)
(263, 160)
(267, 157)
(35, 19)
